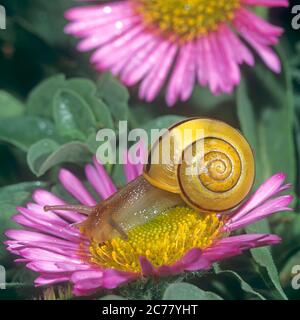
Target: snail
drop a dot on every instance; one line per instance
(216, 179)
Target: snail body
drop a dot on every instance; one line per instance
(133, 205)
(213, 178)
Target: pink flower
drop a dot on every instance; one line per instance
(178, 42)
(51, 245)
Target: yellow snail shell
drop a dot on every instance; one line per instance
(224, 171)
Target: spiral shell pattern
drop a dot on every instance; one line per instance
(216, 168)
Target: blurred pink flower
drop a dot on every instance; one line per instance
(52, 246)
(177, 42)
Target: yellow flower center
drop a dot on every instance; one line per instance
(186, 18)
(163, 240)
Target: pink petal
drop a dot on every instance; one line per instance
(36, 254)
(63, 233)
(107, 181)
(202, 66)
(143, 61)
(189, 72)
(266, 209)
(194, 260)
(212, 76)
(38, 212)
(176, 87)
(45, 198)
(50, 280)
(111, 11)
(235, 245)
(76, 188)
(120, 48)
(26, 236)
(55, 267)
(247, 239)
(239, 51)
(146, 266)
(267, 190)
(132, 169)
(260, 43)
(258, 25)
(113, 278)
(154, 81)
(100, 182)
(112, 27)
(87, 282)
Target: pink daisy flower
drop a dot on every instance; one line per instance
(176, 241)
(178, 42)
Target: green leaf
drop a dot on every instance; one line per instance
(101, 111)
(266, 116)
(83, 87)
(39, 153)
(10, 106)
(244, 285)
(186, 291)
(88, 90)
(73, 117)
(92, 143)
(264, 258)
(249, 126)
(287, 226)
(40, 100)
(45, 19)
(46, 154)
(11, 197)
(22, 132)
(271, 129)
(7, 211)
(115, 95)
(18, 193)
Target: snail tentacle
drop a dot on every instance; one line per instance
(69, 207)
